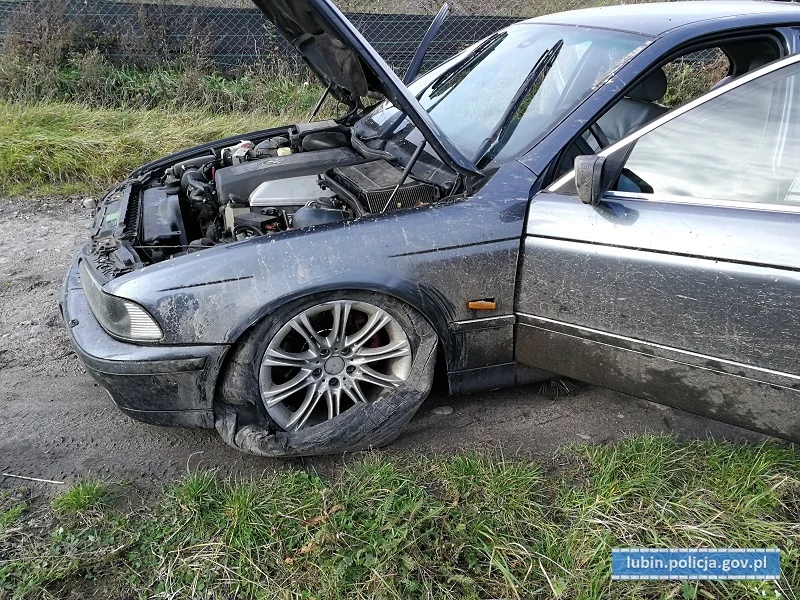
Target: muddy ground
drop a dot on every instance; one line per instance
(56, 423)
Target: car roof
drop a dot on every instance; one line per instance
(654, 19)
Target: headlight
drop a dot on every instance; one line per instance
(118, 316)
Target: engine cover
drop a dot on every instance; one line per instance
(290, 192)
(236, 183)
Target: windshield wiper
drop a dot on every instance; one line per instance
(541, 68)
(465, 62)
(390, 126)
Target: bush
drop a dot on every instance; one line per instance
(40, 31)
(53, 51)
(52, 31)
(93, 81)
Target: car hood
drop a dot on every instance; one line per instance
(350, 66)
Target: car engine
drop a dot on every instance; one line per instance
(310, 176)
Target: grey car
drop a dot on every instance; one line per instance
(528, 209)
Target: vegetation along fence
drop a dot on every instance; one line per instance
(233, 33)
(222, 55)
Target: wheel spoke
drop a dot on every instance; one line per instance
(299, 418)
(281, 392)
(276, 357)
(372, 376)
(374, 324)
(303, 326)
(341, 314)
(334, 398)
(392, 350)
(354, 392)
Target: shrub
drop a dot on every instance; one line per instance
(93, 81)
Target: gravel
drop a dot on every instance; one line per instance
(56, 423)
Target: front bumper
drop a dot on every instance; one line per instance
(160, 385)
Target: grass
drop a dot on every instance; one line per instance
(80, 125)
(66, 148)
(91, 80)
(84, 495)
(687, 81)
(466, 526)
(11, 514)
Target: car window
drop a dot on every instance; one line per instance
(692, 75)
(743, 146)
(469, 103)
(674, 84)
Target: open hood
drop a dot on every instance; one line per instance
(350, 66)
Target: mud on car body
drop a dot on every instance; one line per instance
(294, 287)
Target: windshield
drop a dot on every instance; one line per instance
(469, 96)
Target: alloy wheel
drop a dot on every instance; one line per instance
(329, 358)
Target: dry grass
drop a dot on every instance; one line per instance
(688, 80)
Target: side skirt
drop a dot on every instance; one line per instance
(495, 377)
(754, 398)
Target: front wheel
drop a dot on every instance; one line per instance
(326, 374)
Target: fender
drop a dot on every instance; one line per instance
(426, 300)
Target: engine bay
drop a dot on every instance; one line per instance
(312, 175)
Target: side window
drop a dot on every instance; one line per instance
(673, 84)
(676, 83)
(741, 146)
(692, 75)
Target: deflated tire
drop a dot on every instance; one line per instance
(327, 374)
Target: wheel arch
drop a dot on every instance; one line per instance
(425, 300)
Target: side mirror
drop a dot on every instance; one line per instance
(589, 178)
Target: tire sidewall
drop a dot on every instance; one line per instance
(241, 381)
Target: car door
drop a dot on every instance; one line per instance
(682, 286)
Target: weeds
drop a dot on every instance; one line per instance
(91, 80)
(12, 506)
(468, 526)
(53, 51)
(688, 80)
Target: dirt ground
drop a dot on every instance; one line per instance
(56, 423)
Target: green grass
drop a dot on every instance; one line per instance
(10, 515)
(65, 148)
(91, 80)
(84, 495)
(466, 526)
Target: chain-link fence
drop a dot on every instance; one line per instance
(234, 33)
